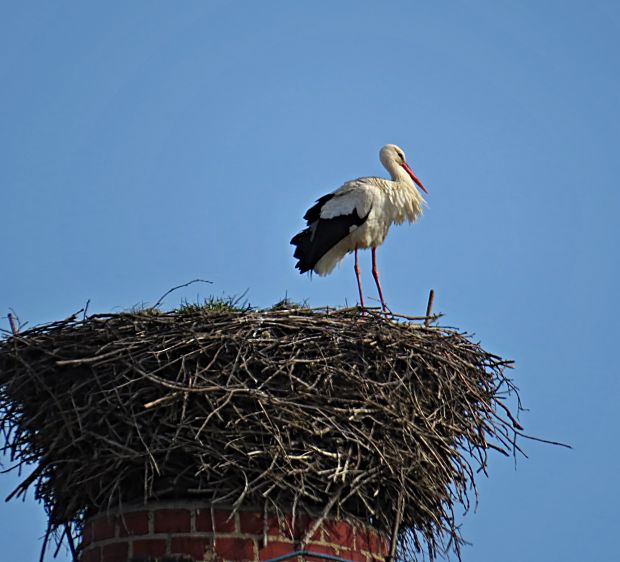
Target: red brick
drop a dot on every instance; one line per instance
(385, 544)
(379, 545)
(274, 549)
(144, 547)
(361, 538)
(91, 555)
(302, 522)
(284, 528)
(321, 549)
(222, 522)
(302, 525)
(87, 534)
(355, 556)
(116, 552)
(235, 549)
(252, 522)
(371, 541)
(135, 523)
(172, 521)
(103, 528)
(338, 532)
(317, 536)
(194, 547)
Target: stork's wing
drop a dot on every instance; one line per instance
(330, 220)
(357, 195)
(314, 213)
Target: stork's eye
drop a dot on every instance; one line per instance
(402, 156)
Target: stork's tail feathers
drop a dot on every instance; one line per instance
(304, 250)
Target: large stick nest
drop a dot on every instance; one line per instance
(326, 412)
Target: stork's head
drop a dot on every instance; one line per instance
(393, 158)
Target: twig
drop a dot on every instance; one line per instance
(71, 543)
(429, 306)
(46, 539)
(319, 521)
(515, 423)
(85, 313)
(532, 438)
(396, 528)
(13, 324)
(161, 299)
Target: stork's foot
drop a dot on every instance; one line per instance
(386, 311)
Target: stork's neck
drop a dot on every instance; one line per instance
(399, 174)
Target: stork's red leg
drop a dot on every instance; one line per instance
(359, 280)
(375, 274)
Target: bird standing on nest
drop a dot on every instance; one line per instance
(358, 215)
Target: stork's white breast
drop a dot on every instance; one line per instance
(384, 202)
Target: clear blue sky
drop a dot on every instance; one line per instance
(144, 144)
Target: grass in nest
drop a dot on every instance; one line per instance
(287, 304)
(234, 304)
(143, 308)
(216, 304)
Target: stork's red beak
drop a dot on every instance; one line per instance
(414, 177)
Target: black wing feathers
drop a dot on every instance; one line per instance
(321, 235)
(314, 212)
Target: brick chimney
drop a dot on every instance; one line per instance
(190, 531)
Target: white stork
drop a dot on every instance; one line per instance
(358, 215)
